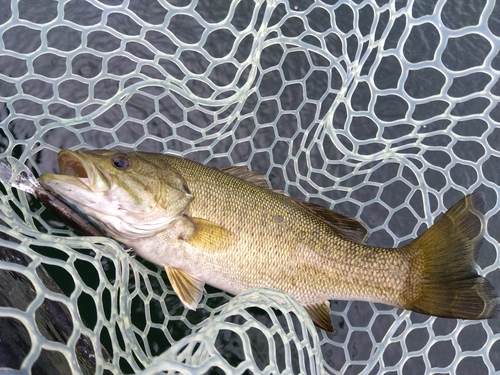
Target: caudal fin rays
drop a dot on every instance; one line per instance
(444, 281)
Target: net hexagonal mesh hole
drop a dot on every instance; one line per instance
(386, 111)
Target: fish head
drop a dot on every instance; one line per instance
(130, 194)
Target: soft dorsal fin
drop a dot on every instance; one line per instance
(349, 228)
(242, 172)
(320, 315)
(189, 289)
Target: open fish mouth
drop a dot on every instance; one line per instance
(76, 164)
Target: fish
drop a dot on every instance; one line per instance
(226, 228)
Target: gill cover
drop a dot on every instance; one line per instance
(130, 194)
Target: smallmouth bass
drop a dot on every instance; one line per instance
(226, 228)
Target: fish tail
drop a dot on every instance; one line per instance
(444, 281)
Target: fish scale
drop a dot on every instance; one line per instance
(316, 238)
(226, 228)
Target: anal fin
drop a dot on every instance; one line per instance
(189, 289)
(320, 315)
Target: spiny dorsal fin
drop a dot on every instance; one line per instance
(189, 289)
(350, 229)
(242, 172)
(320, 315)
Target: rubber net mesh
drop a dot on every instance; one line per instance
(386, 111)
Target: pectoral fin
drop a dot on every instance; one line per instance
(189, 289)
(210, 236)
(320, 315)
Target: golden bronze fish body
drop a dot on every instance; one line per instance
(274, 242)
(226, 229)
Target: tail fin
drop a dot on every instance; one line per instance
(444, 281)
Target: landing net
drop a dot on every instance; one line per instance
(386, 111)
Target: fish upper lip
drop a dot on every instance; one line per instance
(78, 165)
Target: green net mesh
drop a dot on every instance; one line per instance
(386, 111)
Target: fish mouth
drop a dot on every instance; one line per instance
(78, 165)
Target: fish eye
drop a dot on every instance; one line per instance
(121, 162)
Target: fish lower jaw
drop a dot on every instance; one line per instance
(66, 186)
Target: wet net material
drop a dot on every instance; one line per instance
(386, 111)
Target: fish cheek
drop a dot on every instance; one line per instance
(136, 193)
